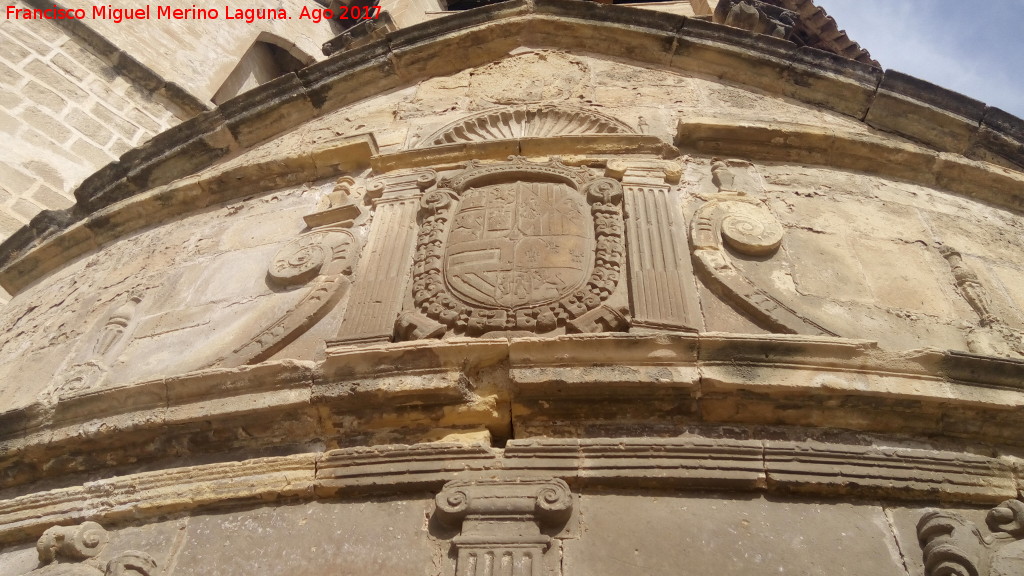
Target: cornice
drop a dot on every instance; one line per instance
(607, 384)
(689, 464)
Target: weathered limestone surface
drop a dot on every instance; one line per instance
(617, 291)
(730, 536)
(544, 505)
(206, 51)
(64, 115)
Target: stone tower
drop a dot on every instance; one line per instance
(530, 288)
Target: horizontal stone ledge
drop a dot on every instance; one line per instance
(876, 155)
(587, 385)
(781, 469)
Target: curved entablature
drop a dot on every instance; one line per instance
(536, 385)
(891, 102)
(545, 121)
(298, 297)
(810, 145)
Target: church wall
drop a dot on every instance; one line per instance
(65, 113)
(842, 229)
(610, 533)
(206, 51)
(730, 335)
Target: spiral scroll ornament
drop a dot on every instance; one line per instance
(1008, 517)
(734, 222)
(453, 501)
(751, 230)
(436, 200)
(72, 542)
(554, 497)
(300, 260)
(954, 546)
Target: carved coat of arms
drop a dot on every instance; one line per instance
(518, 246)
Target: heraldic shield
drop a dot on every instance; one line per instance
(518, 246)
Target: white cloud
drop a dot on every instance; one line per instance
(974, 49)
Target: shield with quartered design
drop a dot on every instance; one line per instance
(519, 244)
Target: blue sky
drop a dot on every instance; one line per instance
(975, 47)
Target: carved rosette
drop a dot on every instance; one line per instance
(503, 523)
(518, 246)
(302, 259)
(735, 220)
(954, 546)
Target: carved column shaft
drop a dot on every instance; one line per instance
(662, 293)
(381, 279)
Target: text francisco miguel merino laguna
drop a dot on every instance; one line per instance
(159, 12)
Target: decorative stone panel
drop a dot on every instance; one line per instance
(733, 220)
(377, 296)
(662, 290)
(510, 246)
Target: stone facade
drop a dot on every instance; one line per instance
(76, 95)
(615, 292)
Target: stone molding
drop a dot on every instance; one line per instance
(221, 184)
(566, 146)
(774, 142)
(543, 386)
(400, 58)
(690, 464)
(817, 146)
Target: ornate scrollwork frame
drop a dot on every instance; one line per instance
(434, 298)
